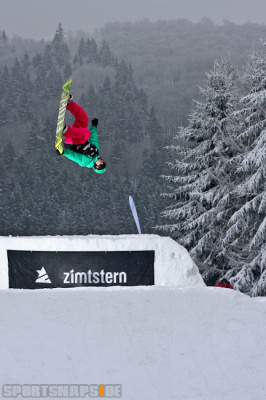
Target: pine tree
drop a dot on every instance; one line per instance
(67, 71)
(60, 48)
(202, 173)
(37, 60)
(153, 128)
(106, 57)
(246, 238)
(92, 102)
(106, 104)
(4, 37)
(143, 104)
(148, 191)
(48, 58)
(54, 84)
(81, 53)
(34, 143)
(126, 102)
(21, 89)
(16, 79)
(5, 84)
(92, 51)
(27, 86)
(39, 84)
(25, 62)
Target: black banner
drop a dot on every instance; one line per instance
(49, 269)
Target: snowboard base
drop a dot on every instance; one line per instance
(61, 115)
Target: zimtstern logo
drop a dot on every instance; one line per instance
(42, 276)
(95, 277)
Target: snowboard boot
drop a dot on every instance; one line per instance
(70, 98)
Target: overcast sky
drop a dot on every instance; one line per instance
(38, 19)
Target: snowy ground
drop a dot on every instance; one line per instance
(159, 343)
(177, 340)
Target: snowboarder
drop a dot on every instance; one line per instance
(224, 283)
(84, 145)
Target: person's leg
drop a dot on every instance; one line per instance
(80, 115)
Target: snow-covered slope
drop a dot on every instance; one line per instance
(159, 343)
(173, 265)
(175, 340)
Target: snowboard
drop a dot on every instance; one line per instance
(61, 115)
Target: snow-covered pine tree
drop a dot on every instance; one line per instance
(59, 47)
(4, 36)
(202, 174)
(245, 241)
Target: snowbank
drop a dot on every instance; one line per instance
(173, 264)
(158, 343)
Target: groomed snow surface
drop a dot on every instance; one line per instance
(159, 342)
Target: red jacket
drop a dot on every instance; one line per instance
(78, 132)
(225, 285)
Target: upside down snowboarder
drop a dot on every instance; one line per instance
(84, 144)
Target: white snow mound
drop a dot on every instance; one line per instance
(173, 264)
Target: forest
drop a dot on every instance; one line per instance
(180, 125)
(46, 194)
(170, 59)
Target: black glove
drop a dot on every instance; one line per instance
(58, 152)
(94, 122)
